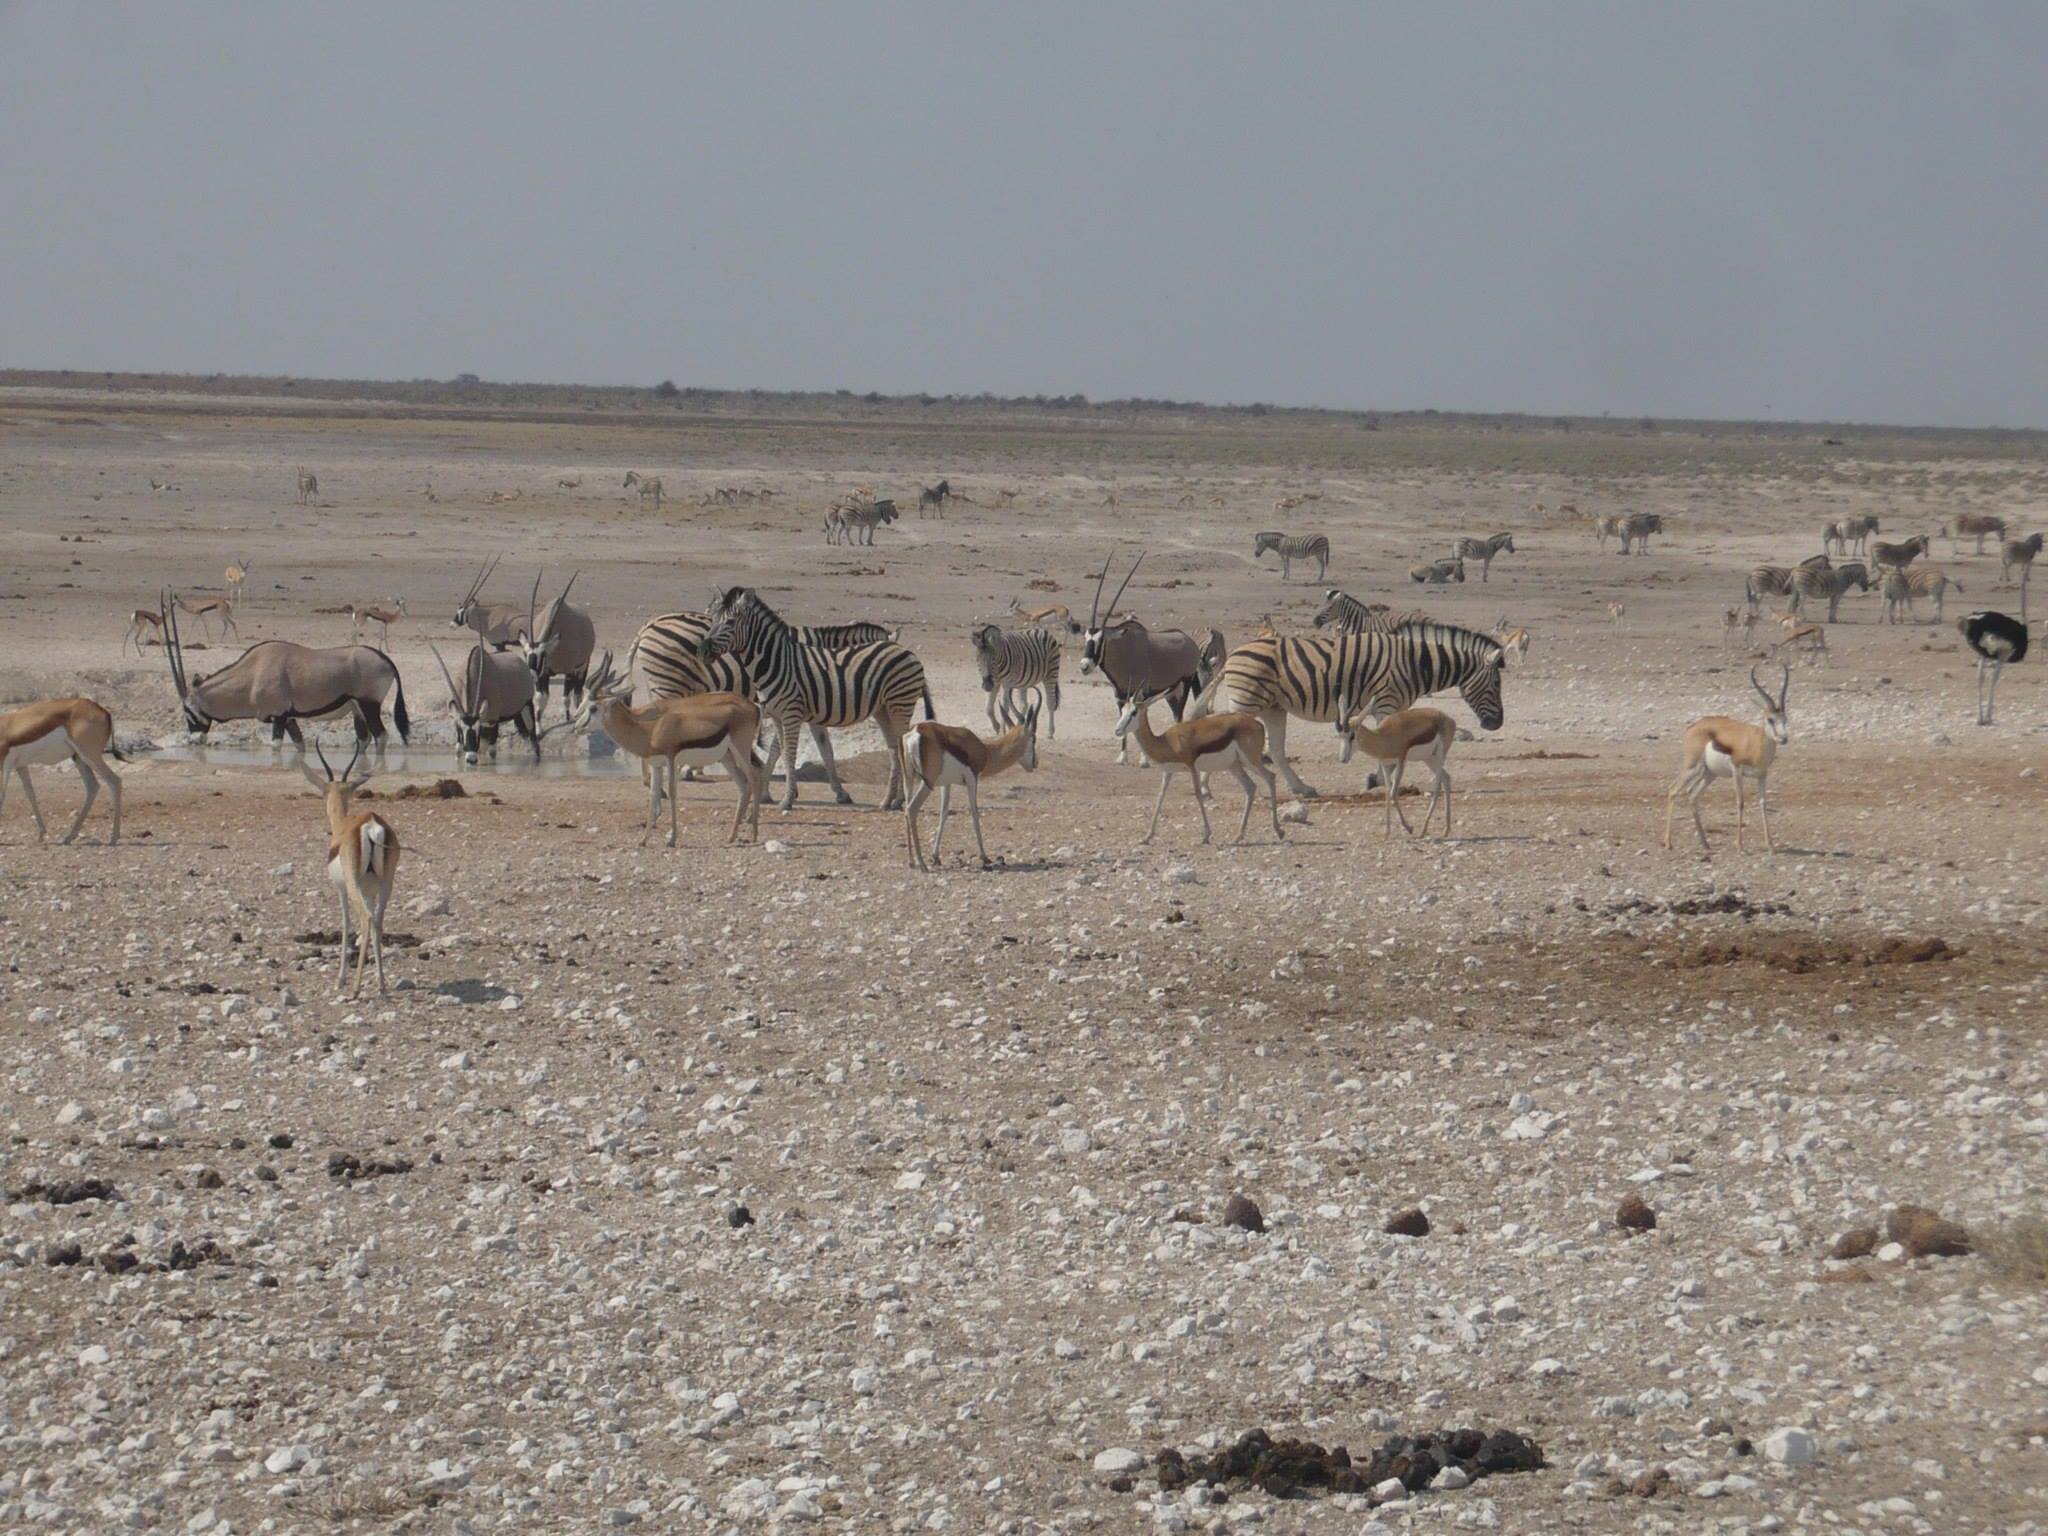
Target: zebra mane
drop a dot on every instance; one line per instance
(1440, 633)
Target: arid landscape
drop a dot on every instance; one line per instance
(781, 1186)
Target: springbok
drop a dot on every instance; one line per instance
(1231, 743)
(362, 862)
(1513, 641)
(942, 756)
(650, 485)
(202, 609)
(696, 731)
(50, 731)
(309, 485)
(237, 573)
(1717, 745)
(360, 614)
(1617, 610)
(1051, 613)
(142, 621)
(1423, 734)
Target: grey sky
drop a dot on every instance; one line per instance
(1728, 209)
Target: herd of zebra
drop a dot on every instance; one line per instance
(1897, 578)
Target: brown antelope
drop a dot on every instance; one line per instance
(1739, 620)
(696, 731)
(50, 731)
(237, 573)
(204, 608)
(943, 756)
(1717, 745)
(1232, 743)
(1423, 734)
(142, 621)
(1051, 613)
(1617, 611)
(1514, 641)
(1810, 638)
(360, 614)
(362, 861)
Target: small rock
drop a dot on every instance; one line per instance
(1239, 1211)
(209, 1178)
(1409, 1223)
(1389, 1489)
(1294, 813)
(73, 1113)
(1924, 1233)
(1789, 1447)
(289, 1458)
(1634, 1214)
(1451, 1479)
(739, 1216)
(1856, 1243)
(281, 1140)
(1118, 1461)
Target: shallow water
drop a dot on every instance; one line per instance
(426, 760)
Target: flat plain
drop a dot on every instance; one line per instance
(471, 1255)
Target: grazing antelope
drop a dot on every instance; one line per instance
(1514, 642)
(1437, 572)
(942, 756)
(362, 861)
(1291, 547)
(697, 731)
(2020, 553)
(360, 614)
(558, 642)
(1617, 610)
(1423, 734)
(309, 485)
(1232, 743)
(237, 573)
(142, 621)
(496, 688)
(1717, 745)
(1899, 556)
(1050, 614)
(1484, 550)
(52, 731)
(1972, 525)
(1810, 638)
(650, 485)
(202, 609)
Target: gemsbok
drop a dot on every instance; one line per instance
(53, 731)
(558, 642)
(1718, 745)
(1167, 663)
(498, 625)
(496, 687)
(1422, 734)
(362, 863)
(944, 756)
(1231, 743)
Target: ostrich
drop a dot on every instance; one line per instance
(1997, 638)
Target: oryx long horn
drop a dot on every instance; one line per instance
(1095, 603)
(1127, 581)
(167, 610)
(454, 693)
(555, 618)
(533, 609)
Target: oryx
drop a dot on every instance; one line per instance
(558, 644)
(496, 624)
(283, 683)
(496, 687)
(1136, 660)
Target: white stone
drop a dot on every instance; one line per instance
(289, 1458)
(1389, 1490)
(1117, 1460)
(1451, 1479)
(1789, 1447)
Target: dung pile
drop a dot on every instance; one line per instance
(1288, 1469)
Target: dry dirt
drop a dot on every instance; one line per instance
(985, 1125)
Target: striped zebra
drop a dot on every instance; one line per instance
(1636, 530)
(1324, 678)
(1612, 527)
(1291, 547)
(797, 684)
(1348, 616)
(1830, 582)
(1904, 588)
(1767, 581)
(2018, 554)
(1012, 662)
(1856, 532)
(1483, 550)
(847, 521)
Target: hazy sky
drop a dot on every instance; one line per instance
(1725, 209)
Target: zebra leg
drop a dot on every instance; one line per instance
(839, 790)
(788, 745)
(1275, 721)
(92, 790)
(1052, 703)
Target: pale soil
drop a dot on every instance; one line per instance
(964, 1109)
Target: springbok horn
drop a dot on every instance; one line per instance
(1127, 580)
(353, 760)
(1762, 692)
(1786, 689)
(325, 766)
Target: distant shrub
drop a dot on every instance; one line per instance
(666, 390)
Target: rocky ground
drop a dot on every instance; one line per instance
(746, 1188)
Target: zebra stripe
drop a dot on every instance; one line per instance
(846, 523)
(1348, 616)
(1316, 678)
(1291, 547)
(1014, 660)
(1483, 550)
(1767, 581)
(1829, 582)
(796, 683)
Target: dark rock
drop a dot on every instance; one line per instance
(1121, 1483)
(66, 1191)
(64, 1253)
(1634, 1214)
(1409, 1223)
(1286, 1469)
(1238, 1211)
(1651, 1483)
(1924, 1233)
(346, 1165)
(267, 1174)
(739, 1216)
(1856, 1243)
(118, 1261)
(209, 1178)
(281, 1141)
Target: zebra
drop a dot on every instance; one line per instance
(650, 485)
(1856, 532)
(1972, 525)
(1925, 582)
(797, 683)
(1437, 572)
(1326, 678)
(1014, 661)
(309, 486)
(2020, 553)
(1291, 547)
(1612, 527)
(847, 521)
(1766, 581)
(1483, 550)
(1830, 582)
(1348, 616)
(1636, 530)
(935, 497)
